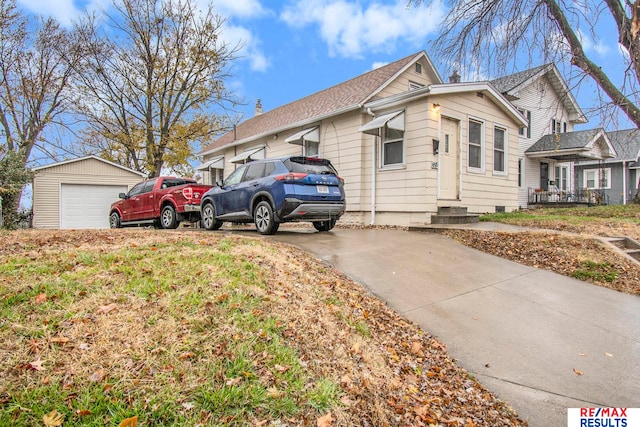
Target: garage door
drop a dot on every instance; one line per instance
(87, 206)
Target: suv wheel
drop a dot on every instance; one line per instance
(168, 218)
(209, 221)
(114, 220)
(264, 219)
(324, 225)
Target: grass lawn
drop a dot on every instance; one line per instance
(156, 328)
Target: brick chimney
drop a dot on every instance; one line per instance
(258, 109)
(454, 77)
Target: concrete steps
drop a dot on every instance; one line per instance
(626, 245)
(454, 215)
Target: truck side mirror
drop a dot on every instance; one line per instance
(122, 195)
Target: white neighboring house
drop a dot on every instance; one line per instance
(548, 146)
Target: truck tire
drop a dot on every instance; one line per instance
(168, 218)
(114, 220)
(209, 221)
(264, 219)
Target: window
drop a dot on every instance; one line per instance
(556, 126)
(418, 68)
(561, 177)
(235, 176)
(311, 148)
(137, 189)
(392, 146)
(148, 186)
(597, 179)
(254, 171)
(475, 144)
(499, 149)
(525, 131)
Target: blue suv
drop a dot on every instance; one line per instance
(272, 191)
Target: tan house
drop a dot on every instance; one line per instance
(405, 142)
(78, 193)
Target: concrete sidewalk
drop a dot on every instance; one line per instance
(540, 341)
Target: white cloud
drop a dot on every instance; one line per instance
(240, 36)
(377, 65)
(349, 29)
(64, 11)
(236, 8)
(590, 46)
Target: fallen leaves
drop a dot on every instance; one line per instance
(325, 420)
(104, 309)
(53, 419)
(578, 372)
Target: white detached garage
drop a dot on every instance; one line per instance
(78, 193)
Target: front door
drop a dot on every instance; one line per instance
(449, 160)
(544, 176)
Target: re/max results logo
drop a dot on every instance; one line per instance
(603, 417)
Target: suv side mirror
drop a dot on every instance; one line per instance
(220, 183)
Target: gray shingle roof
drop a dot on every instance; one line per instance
(508, 83)
(565, 141)
(351, 93)
(626, 143)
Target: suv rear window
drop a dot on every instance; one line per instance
(309, 165)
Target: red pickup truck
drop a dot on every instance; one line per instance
(163, 202)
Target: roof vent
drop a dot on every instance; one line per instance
(258, 110)
(454, 77)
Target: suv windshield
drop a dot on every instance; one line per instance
(309, 165)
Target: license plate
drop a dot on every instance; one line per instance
(322, 189)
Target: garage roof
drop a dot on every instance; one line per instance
(79, 159)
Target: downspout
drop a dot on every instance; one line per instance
(624, 182)
(373, 174)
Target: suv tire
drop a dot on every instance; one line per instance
(264, 219)
(209, 221)
(324, 225)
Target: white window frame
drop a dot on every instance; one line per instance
(525, 132)
(505, 151)
(384, 141)
(481, 168)
(597, 178)
(311, 148)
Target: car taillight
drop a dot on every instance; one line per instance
(290, 176)
(187, 193)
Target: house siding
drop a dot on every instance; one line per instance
(613, 195)
(545, 105)
(47, 184)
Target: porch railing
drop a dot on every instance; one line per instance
(582, 196)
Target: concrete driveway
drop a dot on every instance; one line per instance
(538, 340)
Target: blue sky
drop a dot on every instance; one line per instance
(297, 47)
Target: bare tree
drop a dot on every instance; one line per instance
(155, 74)
(494, 33)
(36, 62)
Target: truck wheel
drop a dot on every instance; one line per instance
(264, 219)
(168, 218)
(324, 225)
(209, 221)
(114, 220)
